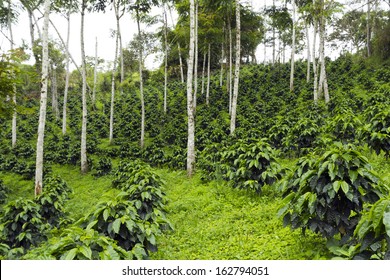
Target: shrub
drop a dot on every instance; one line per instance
(377, 133)
(326, 194)
(87, 244)
(250, 165)
(103, 167)
(3, 192)
(22, 225)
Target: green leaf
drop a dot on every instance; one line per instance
(353, 174)
(378, 213)
(86, 251)
(362, 228)
(116, 225)
(70, 255)
(105, 214)
(345, 187)
(336, 185)
(386, 221)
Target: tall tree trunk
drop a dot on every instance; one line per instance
(196, 55)
(95, 73)
(119, 34)
(179, 49)
(208, 75)
(293, 49)
(237, 69)
(84, 162)
(368, 28)
(190, 105)
(315, 72)
(141, 83)
(111, 137)
(165, 59)
(230, 65)
(203, 72)
(67, 74)
(14, 115)
(273, 37)
(308, 54)
(43, 102)
(323, 78)
(265, 35)
(54, 92)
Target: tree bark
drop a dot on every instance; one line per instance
(84, 162)
(273, 38)
(208, 75)
(222, 57)
(368, 28)
(315, 72)
(95, 73)
(67, 74)
(196, 56)
(293, 49)
(308, 54)
(43, 102)
(14, 115)
(111, 137)
(54, 92)
(237, 69)
(141, 83)
(190, 105)
(165, 58)
(203, 72)
(230, 65)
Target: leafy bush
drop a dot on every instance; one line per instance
(103, 167)
(21, 224)
(3, 192)
(119, 220)
(377, 133)
(326, 194)
(52, 200)
(344, 127)
(87, 244)
(250, 165)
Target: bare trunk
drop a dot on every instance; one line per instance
(190, 109)
(273, 39)
(95, 73)
(84, 163)
(141, 84)
(43, 102)
(203, 72)
(230, 66)
(308, 54)
(166, 59)
(315, 82)
(14, 115)
(323, 78)
(208, 75)
(237, 69)
(66, 78)
(368, 28)
(265, 37)
(196, 55)
(293, 50)
(111, 137)
(179, 50)
(54, 92)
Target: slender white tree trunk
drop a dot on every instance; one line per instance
(95, 73)
(67, 74)
(368, 28)
(196, 55)
(203, 72)
(273, 38)
(293, 49)
(111, 137)
(315, 72)
(178, 48)
(208, 75)
(43, 102)
(84, 163)
(308, 54)
(14, 115)
(230, 87)
(165, 59)
(141, 83)
(323, 78)
(54, 92)
(190, 105)
(237, 69)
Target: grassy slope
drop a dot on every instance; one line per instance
(214, 221)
